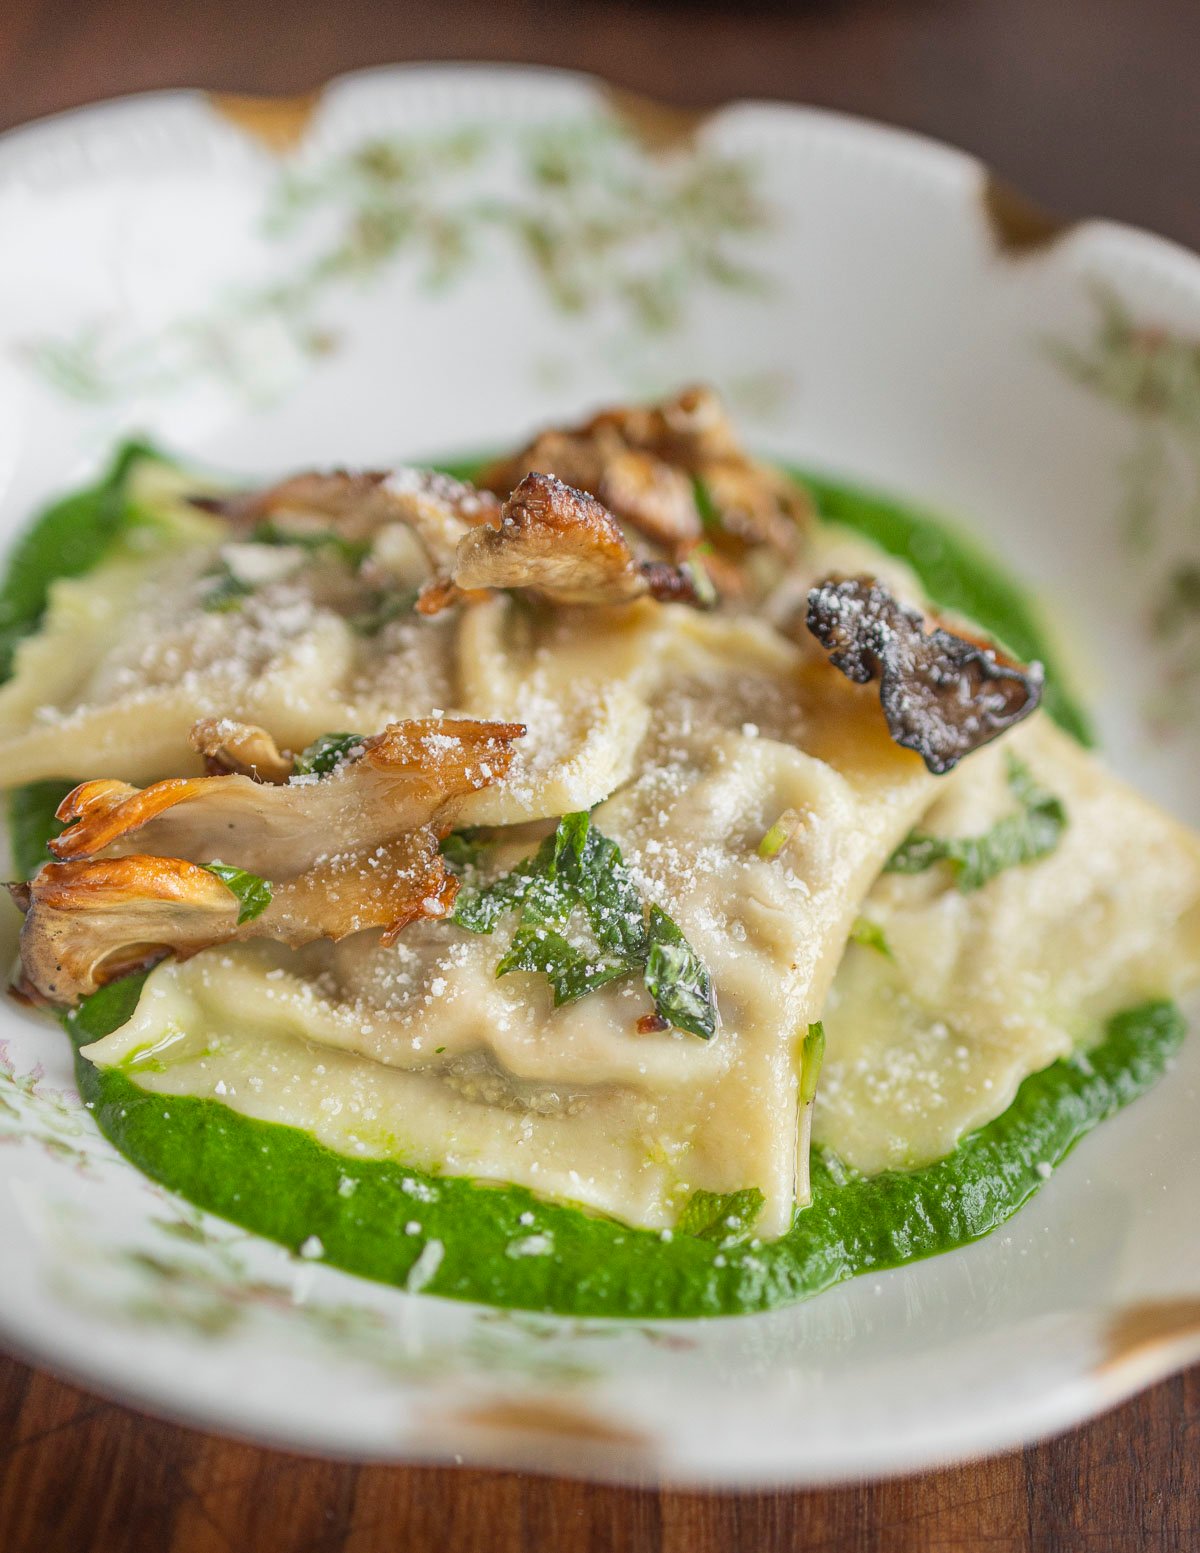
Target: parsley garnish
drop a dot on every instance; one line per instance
(1032, 832)
(780, 834)
(709, 513)
(323, 754)
(871, 936)
(228, 592)
(571, 972)
(253, 893)
(385, 608)
(676, 978)
(812, 1055)
(463, 848)
(723, 1216)
(578, 869)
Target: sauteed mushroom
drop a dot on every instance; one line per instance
(943, 695)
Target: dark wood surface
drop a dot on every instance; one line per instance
(1091, 106)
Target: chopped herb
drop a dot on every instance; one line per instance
(253, 893)
(323, 754)
(385, 608)
(579, 869)
(479, 910)
(724, 1216)
(677, 979)
(463, 848)
(709, 513)
(353, 551)
(438, 1050)
(575, 867)
(1032, 832)
(589, 867)
(871, 936)
(702, 584)
(776, 838)
(571, 972)
(228, 592)
(812, 1055)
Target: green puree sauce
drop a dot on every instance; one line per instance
(500, 1244)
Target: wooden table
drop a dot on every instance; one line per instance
(1090, 105)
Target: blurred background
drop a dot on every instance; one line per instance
(1089, 105)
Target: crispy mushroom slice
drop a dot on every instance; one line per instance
(686, 430)
(231, 748)
(942, 695)
(386, 887)
(564, 545)
(667, 470)
(90, 921)
(645, 492)
(395, 782)
(358, 505)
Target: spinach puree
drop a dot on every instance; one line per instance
(500, 1244)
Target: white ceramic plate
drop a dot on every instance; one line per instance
(396, 268)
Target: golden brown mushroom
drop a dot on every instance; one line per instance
(565, 546)
(88, 922)
(330, 854)
(358, 505)
(231, 748)
(393, 782)
(667, 471)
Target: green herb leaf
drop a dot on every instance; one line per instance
(722, 1216)
(1032, 832)
(578, 869)
(784, 828)
(480, 909)
(709, 513)
(812, 1055)
(572, 973)
(227, 594)
(386, 608)
(871, 936)
(702, 583)
(463, 848)
(323, 754)
(253, 893)
(587, 868)
(677, 979)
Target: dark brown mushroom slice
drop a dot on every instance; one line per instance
(942, 695)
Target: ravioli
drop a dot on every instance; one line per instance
(574, 1101)
(930, 1039)
(672, 691)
